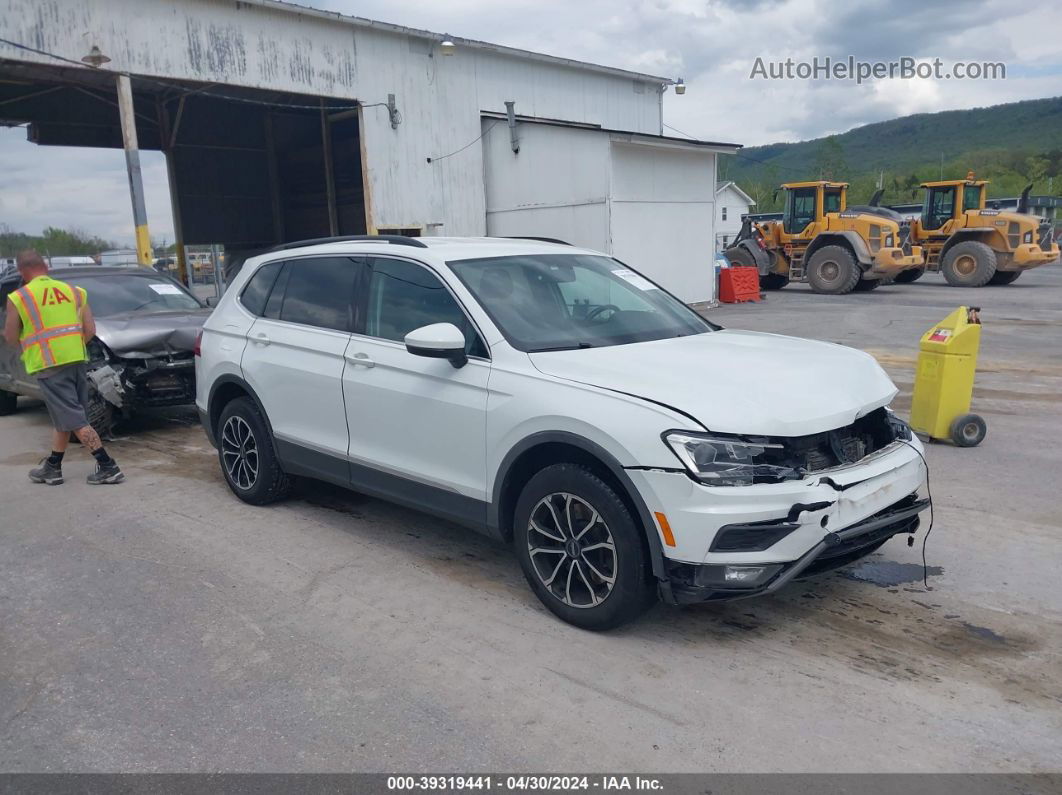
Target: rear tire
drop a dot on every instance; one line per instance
(8, 402)
(597, 585)
(247, 455)
(866, 285)
(1004, 277)
(969, 264)
(774, 281)
(909, 275)
(832, 270)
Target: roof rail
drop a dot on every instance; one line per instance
(539, 239)
(395, 240)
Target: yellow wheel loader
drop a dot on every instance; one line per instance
(974, 245)
(820, 240)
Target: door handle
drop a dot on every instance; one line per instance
(261, 339)
(361, 359)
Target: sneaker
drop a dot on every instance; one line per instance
(47, 473)
(105, 474)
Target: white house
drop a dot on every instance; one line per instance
(731, 202)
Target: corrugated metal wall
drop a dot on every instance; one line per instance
(251, 44)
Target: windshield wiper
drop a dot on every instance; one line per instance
(573, 347)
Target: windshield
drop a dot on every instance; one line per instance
(112, 294)
(546, 302)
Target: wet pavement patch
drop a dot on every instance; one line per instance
(984, 633)
(886, 573)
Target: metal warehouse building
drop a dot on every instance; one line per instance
(281, 123)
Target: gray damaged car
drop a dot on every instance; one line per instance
(143, 352)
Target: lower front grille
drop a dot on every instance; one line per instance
(1046, 237)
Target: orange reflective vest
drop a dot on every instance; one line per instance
(50, 311)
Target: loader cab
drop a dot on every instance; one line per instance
(945, 201)
(810, 202)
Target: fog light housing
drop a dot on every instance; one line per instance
(736, 577)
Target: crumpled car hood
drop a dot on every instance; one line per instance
(138, 335)
(740, 382)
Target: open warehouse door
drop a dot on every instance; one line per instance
(248, 169)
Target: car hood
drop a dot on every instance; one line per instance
(143, 335)
(737, 381)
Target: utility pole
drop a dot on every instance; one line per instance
(132, 165)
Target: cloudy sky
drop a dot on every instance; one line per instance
(713, 44)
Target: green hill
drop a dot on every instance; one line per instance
(1011, 145)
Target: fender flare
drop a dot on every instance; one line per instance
(978, 233)
(656, 552)
(235, 380)
(852, 239)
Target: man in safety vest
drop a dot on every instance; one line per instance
(52, 322)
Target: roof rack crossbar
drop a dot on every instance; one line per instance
(539, 239)
(395, 240)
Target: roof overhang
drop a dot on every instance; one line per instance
(362, 22)
(627, 136)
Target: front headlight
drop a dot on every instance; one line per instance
(719, 460)
(900, 428)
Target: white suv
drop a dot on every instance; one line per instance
(553, 398)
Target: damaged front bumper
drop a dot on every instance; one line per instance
(735, 541)
(128, 384)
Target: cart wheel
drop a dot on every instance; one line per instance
(968, 430)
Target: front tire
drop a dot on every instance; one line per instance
(774, 281)
(969, 264)
(8, 402)
(1004, 277)
(832, 270)
(247, 455)
(582, 552)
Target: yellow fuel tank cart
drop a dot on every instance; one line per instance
(943, 388)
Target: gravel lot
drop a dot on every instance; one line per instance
(162, 625)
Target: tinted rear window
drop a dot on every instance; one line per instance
(256, 292)
(320, 293)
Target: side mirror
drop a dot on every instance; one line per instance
(211, 300)
(438, 341)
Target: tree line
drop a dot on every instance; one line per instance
(53, 242)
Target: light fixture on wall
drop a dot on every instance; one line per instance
(96, 58)
(447, 46)
(680, 86)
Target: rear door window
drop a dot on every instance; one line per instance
(319, 291)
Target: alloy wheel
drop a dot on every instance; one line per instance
(572, 550)
(239, 452)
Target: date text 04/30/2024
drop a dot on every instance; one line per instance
(515, 783)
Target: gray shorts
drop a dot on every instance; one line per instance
(65, 392)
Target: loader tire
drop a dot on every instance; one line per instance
(1004, 277)
(739, 257)
(909, 275)
(832, 270)
(774, 281)
(866, 285)
(969, 264)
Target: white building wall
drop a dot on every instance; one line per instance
(261, 44)
(650, 205)
(556, 187)
(663, 214)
